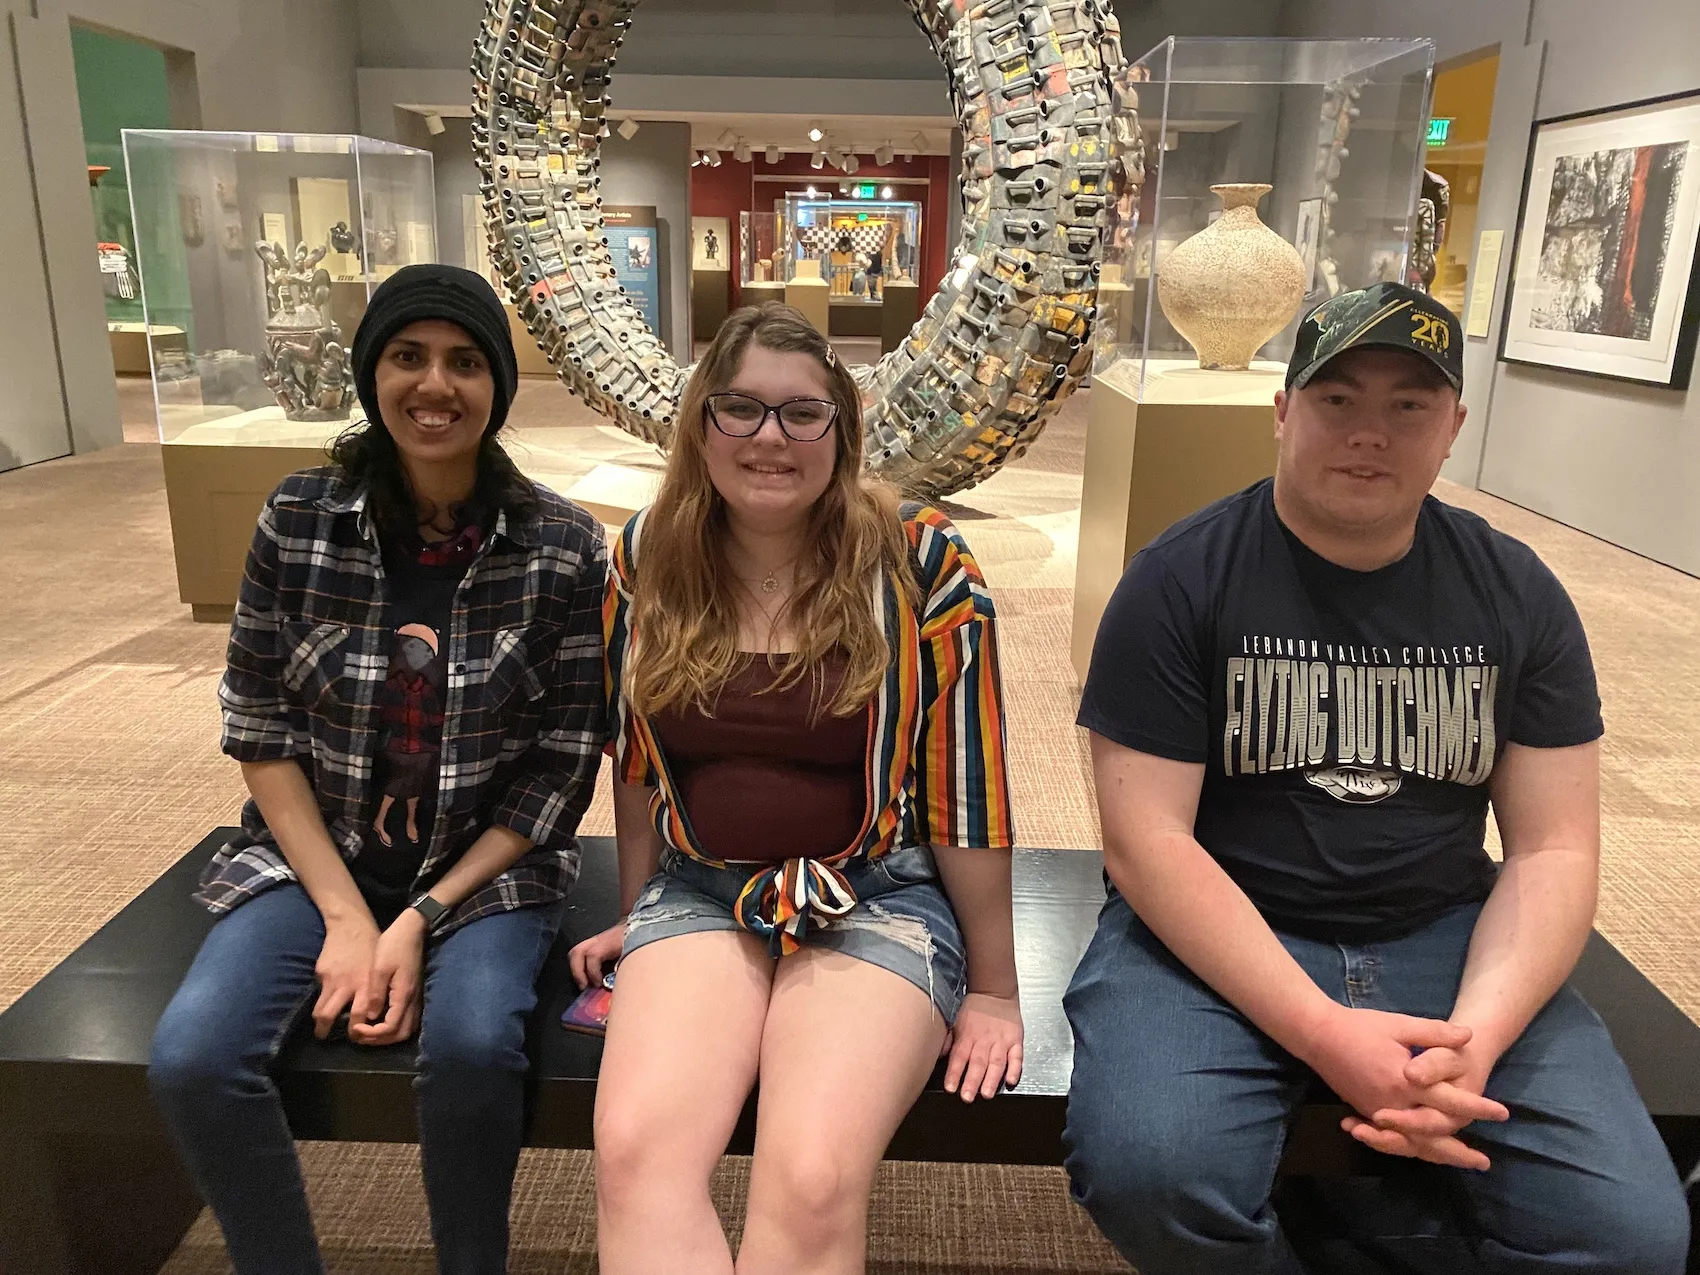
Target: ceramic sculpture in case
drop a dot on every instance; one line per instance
(250, 316)
(1049, 150)
(304, 360)
(1283, 172)
(1234, 284)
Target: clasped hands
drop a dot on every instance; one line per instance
(1410, 1105)
(374, 976)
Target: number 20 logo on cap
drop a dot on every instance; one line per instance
(1431, 330)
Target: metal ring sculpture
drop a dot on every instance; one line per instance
(1049, 148)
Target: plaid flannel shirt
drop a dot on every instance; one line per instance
(523, 705)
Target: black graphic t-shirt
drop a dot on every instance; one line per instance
(1348, 721)
(419, 588)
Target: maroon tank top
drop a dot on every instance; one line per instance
(757, 779)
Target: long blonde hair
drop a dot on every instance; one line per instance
(684, 609)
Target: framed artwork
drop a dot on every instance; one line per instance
(710, 243)
(1603, 277)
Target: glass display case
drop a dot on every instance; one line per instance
(758, 242)
(256, 253)
(861, 244)
(1278, 173)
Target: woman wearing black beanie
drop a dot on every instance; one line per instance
(414, 691)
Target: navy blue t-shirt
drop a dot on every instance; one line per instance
(1348, 721)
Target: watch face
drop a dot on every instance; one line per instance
(430, 909)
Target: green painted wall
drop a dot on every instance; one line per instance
(120, 84)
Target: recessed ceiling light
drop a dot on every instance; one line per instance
(885, 192)
(814, 133)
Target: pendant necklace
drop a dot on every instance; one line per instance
(770, 583)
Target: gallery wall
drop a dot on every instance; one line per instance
(231, 64)
(1616, 460)
(733, 188)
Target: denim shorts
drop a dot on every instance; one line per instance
(902, 921)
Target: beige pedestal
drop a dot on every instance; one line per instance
(814, 298)
(1196, 437)
(217, 478)
(129, 343)
(532, 361)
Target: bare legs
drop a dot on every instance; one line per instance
(845, 1051)
(684, 1040)
(843, 1048)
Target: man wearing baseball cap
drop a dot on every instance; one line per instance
(1303, 700)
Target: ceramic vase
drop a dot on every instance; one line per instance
(1234, 284)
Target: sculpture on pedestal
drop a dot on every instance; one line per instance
(1005, 339)
(304, 361)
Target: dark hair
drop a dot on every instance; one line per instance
(368, 458)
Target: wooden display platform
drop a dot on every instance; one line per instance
(1196, 436)
(809, 293)
(129, 342)
(217, 476)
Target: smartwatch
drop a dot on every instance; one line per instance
(430, 909)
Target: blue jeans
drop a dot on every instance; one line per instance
(902, 921)
(1179, 1109)
(251, 985)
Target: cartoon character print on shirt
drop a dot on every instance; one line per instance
(1358, 721)
(410, 708)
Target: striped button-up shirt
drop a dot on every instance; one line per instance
(523, 708)
(936, 772)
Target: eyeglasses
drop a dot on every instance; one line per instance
(804, 420)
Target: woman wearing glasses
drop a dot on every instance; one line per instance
(812, 818)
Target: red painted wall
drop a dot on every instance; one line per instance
(724, 192)
(731, 189)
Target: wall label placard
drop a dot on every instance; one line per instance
(633, 237)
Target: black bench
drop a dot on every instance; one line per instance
(89, 1183)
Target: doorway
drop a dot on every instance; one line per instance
(1457, 147)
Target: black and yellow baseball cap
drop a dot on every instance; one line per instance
(1385, 315)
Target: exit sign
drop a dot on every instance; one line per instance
(866, 190)
(1438, 131)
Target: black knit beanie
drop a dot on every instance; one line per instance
(436, 292)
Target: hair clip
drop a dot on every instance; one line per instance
(831, 355)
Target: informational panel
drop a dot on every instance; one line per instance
(711, 243)
(320, 203)
(634, 241)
